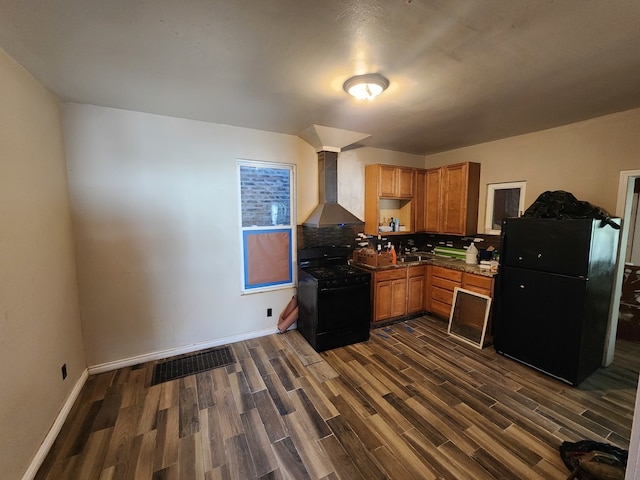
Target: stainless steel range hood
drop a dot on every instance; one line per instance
(328, 141)
(329, 212)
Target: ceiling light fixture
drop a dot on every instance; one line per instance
(367, 86)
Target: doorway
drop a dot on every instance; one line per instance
(629, 312)
(626, 187)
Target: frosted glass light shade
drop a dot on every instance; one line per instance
(366, 87)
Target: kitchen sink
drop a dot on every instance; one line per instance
(410, 258)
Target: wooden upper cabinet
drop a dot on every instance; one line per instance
(460, 193)
(405, 182)
(420, 201)
(446, 199)
(427, 200)
(433, 200)
(395, 182)
(386, 181)
(388, 192)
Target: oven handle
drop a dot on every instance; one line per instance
(345, 287)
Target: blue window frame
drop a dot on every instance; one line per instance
(266, 208)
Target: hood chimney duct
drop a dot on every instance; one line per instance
(329, 212)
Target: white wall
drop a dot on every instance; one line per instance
(39, 316)
(155, 210)
(583, 158)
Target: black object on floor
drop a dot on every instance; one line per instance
(590, 460)
(191, 364)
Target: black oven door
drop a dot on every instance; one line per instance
(344, 315)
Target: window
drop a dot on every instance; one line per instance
(504, 200)
(266, 208)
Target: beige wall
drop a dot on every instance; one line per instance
(157, 226)
(583, 158)
(39, 316)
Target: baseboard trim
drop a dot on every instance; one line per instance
(171, 352)
(51, 436)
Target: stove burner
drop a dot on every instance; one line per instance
(333, 271)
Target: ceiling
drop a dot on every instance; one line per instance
(461, 72)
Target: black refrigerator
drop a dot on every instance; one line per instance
(554, 291)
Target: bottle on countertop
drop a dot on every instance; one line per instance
(494, 262)
(472, 254)
(393, 256)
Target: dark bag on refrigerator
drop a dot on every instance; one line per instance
(563, 205)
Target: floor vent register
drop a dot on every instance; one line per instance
(191, 364)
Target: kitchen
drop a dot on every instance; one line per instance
(154, 225)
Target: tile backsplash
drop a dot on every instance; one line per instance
(346, 236)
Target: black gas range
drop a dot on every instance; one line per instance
(334, 306)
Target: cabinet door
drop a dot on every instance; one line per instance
(415, 294)
(398, 297)
(432, 200)
(420, 201)
(382, 297)
(390, 299)
(387, 181)
(404, 186)
(454, 204)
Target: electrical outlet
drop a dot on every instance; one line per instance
(269, 312)
(64, 371)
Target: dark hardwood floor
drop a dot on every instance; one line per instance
(411, 403)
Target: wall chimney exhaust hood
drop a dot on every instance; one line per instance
(328, 142)
(329, 212)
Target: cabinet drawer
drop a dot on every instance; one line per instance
(442, 296)
(441, 272)
(444, 284)
(441, 308)
(482, 291)
(392, 274)
(418, 271)
(478, 281)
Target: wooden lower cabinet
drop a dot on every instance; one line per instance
(442, 281)
(389, 294)
(483, 285)
(441, 284)
(403, 291)
(416, 291)
(478, 284)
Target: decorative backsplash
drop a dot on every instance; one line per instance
(334, 235)
(346, 236)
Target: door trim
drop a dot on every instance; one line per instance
(623, 210)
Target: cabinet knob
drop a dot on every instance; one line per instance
(539, 255)
(521, 286)
(519, 258)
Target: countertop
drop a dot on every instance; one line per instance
(431, 259)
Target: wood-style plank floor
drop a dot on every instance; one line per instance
(411, 403)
